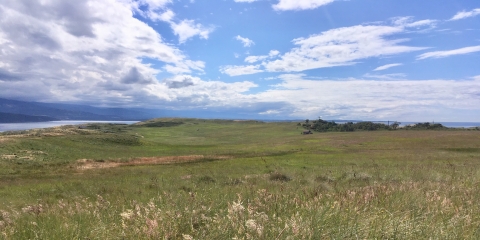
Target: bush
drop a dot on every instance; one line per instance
(279, 177)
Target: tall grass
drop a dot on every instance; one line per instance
(276, 184)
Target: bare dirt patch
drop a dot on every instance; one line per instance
(8, 156)
(85, 164)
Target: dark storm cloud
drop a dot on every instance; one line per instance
(134, 76)
(186, 82)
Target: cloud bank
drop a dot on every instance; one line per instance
(52, 51)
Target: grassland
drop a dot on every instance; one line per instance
(217, 179)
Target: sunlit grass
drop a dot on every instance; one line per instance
(273, 183)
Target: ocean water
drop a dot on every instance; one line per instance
(451, 124)
(26, 126)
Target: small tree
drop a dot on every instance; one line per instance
(395, 125)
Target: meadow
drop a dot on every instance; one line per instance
(222, 179)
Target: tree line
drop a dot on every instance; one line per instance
(321, 125)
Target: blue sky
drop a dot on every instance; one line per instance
(399, 60)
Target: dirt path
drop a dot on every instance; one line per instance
(85, 164)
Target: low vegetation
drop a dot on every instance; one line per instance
(331, 126)
(219, 179)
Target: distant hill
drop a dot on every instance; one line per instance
(20, 118)
(58, 111)
(62, 111)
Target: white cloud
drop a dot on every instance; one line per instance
(273, 53)
(246, 42)
(339, 47)
(188, 28)
(166, 16)
(240, 70)
(270, 112)
(421, 23)
(185, 91)
(184, 29)
(155, 4)
(466, 14)
(253, 59)
(83, 52)
(384, 67)
(285, 5)
(245, 1)
(185, 67)
(391, 76)
(442, 54)
(408, 22)
(415, 100)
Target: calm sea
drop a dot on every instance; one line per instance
(25, 126)
(446, 124)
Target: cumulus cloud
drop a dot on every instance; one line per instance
(273, 53)
(372, 99)
(245, 41)
(336, 47)
(98, 56)
(176, 83)
(188, 28)
(466, 14)
(184, 91)
(384, 67)
(134, 76)
(442, 54)
(285, 5)
(240, 70)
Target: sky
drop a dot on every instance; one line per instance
(397, 60)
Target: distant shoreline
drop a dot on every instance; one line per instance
(4, 127)
(34, 125)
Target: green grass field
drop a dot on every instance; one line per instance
(219, 179)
